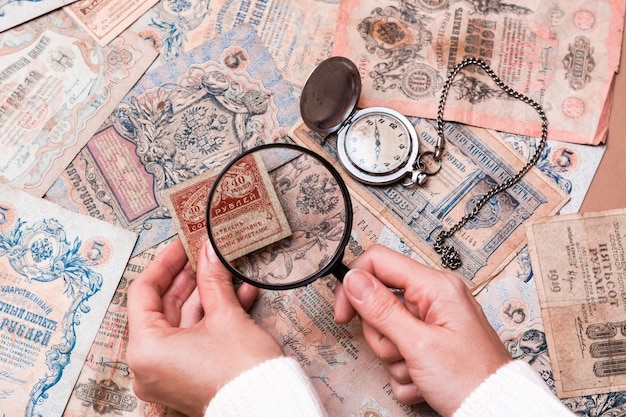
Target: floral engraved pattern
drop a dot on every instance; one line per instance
(7, 215)
(179, 6)
(314, 205)
(397, 35)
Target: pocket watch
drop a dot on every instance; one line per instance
(376, 145)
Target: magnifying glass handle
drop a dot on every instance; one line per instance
(340, 271)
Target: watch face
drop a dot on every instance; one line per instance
(378, 143)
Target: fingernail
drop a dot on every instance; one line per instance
(210, 252)
(359, 284)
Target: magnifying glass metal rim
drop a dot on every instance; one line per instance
(334, 266)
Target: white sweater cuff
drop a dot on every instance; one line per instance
(515, 390)
(277, 387)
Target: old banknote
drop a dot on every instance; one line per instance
(58, 272)
(511, 304)
(57, 86)
(579, 264)
(301, 320)
(16, 12)
(562, 54)
(105, 20)
(298, 33)
(245, 213)
(187, 204)
(183, 118)
(104, 386)
(571, 166)
(474, 161)
(245, 204)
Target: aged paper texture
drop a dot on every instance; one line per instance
(299, 200)
(183, 118)
(187, 204)
(562, 54)
(511, 304)
(188, 201)
(298, 33)
(345, 372)
(58, 86)
(315, 208)
(105, 384)
(16, 12)
(58, 273)
(246, 196)
(569, 165)
(473, 162)
(106, 20)
(580, 268)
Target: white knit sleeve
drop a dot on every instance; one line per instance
(515, 390)
(277, 387)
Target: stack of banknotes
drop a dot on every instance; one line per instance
(116, 116)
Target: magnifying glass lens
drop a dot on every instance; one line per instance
(279, 216)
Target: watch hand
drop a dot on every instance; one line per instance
(377, 137)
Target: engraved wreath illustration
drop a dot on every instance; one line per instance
(41, 251)
(184, 129)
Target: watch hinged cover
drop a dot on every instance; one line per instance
(330, 95)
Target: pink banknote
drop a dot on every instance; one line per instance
(563, 55)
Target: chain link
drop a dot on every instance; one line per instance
(450, 257)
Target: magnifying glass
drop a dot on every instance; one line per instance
(280, 216)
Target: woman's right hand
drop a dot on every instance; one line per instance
(434, 341)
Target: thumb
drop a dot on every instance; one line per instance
(214, 281)
(379, 307)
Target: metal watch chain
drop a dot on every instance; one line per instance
(450, 257)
